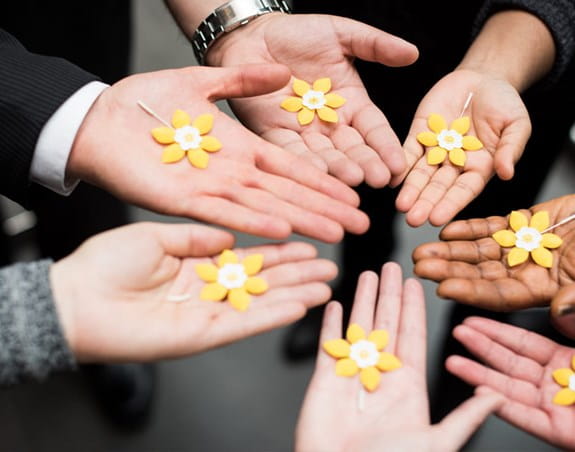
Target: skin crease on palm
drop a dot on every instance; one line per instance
(362, 146)
(471, 267)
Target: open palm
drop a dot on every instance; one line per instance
(472, 268)
(436, 193)
(518, 364)
(249, 185)
(361, 146)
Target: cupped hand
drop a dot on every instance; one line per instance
(361, 146)
(472, 268)
(396, 415)
(436, 193)
(114, 294)
(249, 185)
(518, 364)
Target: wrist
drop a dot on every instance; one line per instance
(64, 295)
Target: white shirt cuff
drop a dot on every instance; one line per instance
(57, 137)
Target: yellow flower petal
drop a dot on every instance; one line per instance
(457, 157)
(228, 257)
(370, 378)
(461, 125)
(517, 256)
(551, 241)
(540, 220)
(300, 87)
(256, 285)
(346, 368)
(213, 292)
(379, 337)
(180, 119)
(388, 362)
(210, 144)
(305, 116)
(334, 100)
(436, 155)
(207, 272)
(561, 376)
(173, 153)
(327, 114)
(564, 397)
(164, 135)
(436, 122)
(427, 138)
(505, 238)
(542, 257)
(204, 123)
(322, 84)
(355, 333)
(471, 143)
(253, 264)
(338, 348)
(517, 220)
(198, 158)
(239, 299)
(292, 104)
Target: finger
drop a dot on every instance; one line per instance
(309, 295)
(298, 273)
(475, 229)
(499, 357)
(282, 253)
(330, 329)
(187, 240)
(363, 309)
(518, 340)
(389, 302)
(465, 189)
(377, 133)
(502, 295)
(463, 251)
(245, 81)
(412, 151)
(412, 336)
(440, 183)
(440, 270)
(370, 44)
(338, 164)
(511, 146)
(226, 213)
(414, 183)
(458, 426)
(293, 142)
(563, 311)
(477, 374)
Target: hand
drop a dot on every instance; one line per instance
(250, 185)
(396, 415)
(498, 118)
(519, 365)
(472, 268)
(113, 293)
(361, 146)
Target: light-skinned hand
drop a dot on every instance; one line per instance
(396, 415)
(361, 146)
(249, 185)
(518, 364)
(113, 293)
(436, 193)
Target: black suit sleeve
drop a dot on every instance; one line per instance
(32, 87)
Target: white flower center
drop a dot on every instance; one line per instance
(528, 238)
(450, 139)
(313, 100)
(572, 382)
(188, 137)
(364, 353)
(232, 276)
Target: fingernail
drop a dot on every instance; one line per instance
(566, 310)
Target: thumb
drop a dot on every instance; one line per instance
(246, 80)
(458, 426)
(563, 311)
(510, 147)
(190, 240)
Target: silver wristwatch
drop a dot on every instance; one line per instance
(228, 17)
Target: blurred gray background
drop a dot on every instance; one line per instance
(243, 397)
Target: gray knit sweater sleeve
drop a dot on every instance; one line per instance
(557, 15)
(31, 340)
